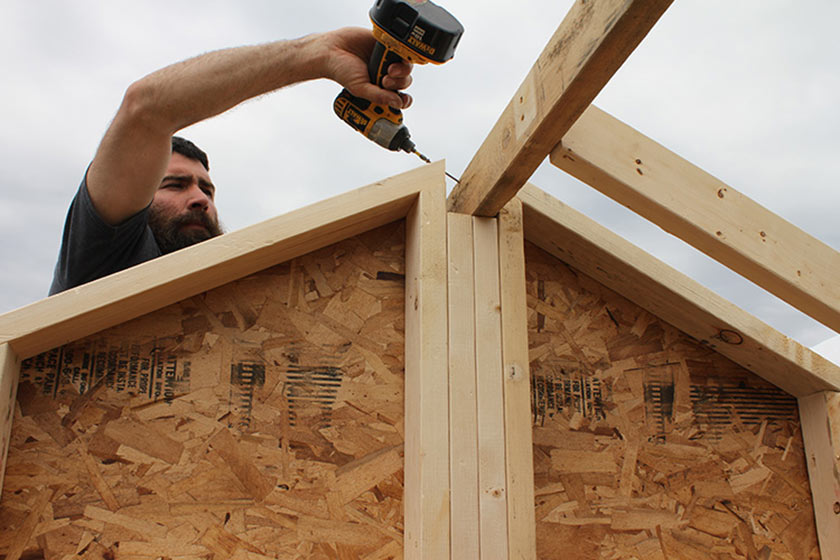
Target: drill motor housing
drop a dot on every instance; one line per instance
(417, 31)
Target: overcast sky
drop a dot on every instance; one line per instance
(745, 89)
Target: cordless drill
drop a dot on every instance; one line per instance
(417, 31)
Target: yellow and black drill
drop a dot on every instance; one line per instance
(417, 31)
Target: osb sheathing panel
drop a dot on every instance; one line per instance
(648, 444)
(261, 419)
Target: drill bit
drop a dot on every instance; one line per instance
(427, 160)
(421, 156)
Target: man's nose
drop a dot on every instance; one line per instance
(198, 199)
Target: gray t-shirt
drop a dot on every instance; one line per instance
(91, 249)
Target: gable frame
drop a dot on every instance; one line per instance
(418, 196)
(619, 265)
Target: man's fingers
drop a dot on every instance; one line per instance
(400, 69)
(390, 82)
(382, 96)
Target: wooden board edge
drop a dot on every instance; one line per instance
(463, 438)
(9, 375)
(710, 215)
(128, 294)
(492, 492)
(589, 46)
(517, 385)
(426, 494)
(677, 299)
(819, 415)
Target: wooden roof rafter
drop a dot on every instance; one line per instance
(591, 44)
(706, 213)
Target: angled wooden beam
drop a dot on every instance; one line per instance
(689, 203)
(672, 296)
(820, 419)
(592, 42)
(139, 290)
(522, 529)
(426, 491)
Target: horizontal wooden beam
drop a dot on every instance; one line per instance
(590, 45)
(820, 418)
(139, 290)
(689, 203)
(672, 296)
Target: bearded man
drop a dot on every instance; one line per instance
(147, 192)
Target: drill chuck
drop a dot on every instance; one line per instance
(391, 136)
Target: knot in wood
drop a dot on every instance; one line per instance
(837, 508)
(730, 337)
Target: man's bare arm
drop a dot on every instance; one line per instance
(134, 152)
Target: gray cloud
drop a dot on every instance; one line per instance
(745, 90)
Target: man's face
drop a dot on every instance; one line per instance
(183, 212)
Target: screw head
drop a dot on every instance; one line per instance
(837, 508)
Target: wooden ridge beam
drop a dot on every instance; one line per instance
(689, 203)
(672, 296)
(592, 42)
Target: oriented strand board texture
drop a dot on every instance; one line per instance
(263, 419)
(648, 444)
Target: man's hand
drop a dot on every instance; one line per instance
(132, 157)
(348, 51)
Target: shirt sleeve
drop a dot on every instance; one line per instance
(91, 248)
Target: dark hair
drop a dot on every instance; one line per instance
(190, 150)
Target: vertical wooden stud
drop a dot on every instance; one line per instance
(9, 373)
(492, 493)
(426, 498)
(820, 419)
(462, 389)
(517, 389)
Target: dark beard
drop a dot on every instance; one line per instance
(170, 235)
